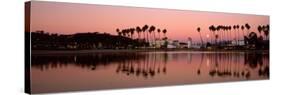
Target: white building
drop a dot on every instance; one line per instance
(159, 43)
(239, 42)
(189, 44)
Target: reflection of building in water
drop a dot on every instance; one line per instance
(231, 65)
(150, 66)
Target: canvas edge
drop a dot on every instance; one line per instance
(27, 9)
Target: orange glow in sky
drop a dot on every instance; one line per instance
(70, 18)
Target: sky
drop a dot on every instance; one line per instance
(71, 18)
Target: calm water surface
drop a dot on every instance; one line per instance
(93, 71)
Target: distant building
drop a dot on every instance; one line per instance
(183, 45)
(189, 42)
(239, 42)
(171, 46)
(159, 43)
(176, 43)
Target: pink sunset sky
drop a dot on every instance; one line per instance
(70, 18)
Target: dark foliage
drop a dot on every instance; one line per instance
(41, 40)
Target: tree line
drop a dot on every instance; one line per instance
(226, 35)
(42, 40)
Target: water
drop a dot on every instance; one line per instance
(109, 70)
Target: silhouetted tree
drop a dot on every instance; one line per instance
(242, 28)
(212, 29)
(198, 30)
(164, 32)
(158, 30)
(151, 29)
(118, 32)
(238, 36)
(144, 28)
(253, 39)
(216, 37)
(260, 30)
(266, 31)
(248, 27)
(138, 29)
(132, 31)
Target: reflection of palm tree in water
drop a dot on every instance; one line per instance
(152, 68)
(198, 70)
(144, 71)
(126, 63)
(165, 62)
(255, 60)
(132, 70)
(118, 67)
(138, 68)
(234, 67)
(214, 67)
(145, 67)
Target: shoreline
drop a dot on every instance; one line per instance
(40, 52)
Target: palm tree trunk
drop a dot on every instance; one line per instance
(147, 37)
(237, 37)
(154, 38)
(201, 39)
(144, 35)
(159, 35)
(138, 35)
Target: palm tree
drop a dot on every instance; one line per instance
(243, 38)
(118, 32)
(225, 32)
(210, 29)
(122, 32)
(216, 37)
(213, 29)
(158, 30)
(217, 31)
(242, 28)
(144, 28)
(165, 38)
(154, 35)
(260, 29)
(230, 36)
(151, 29)
(238, 36)
(234, 28)
(266, 31)
(248, 28)
(132, 31)
(220, 32)
(220, 28)
(164, 32)
(236, 33)
(198, 30)
(229, 33)
(127, 31)
(138, 29)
